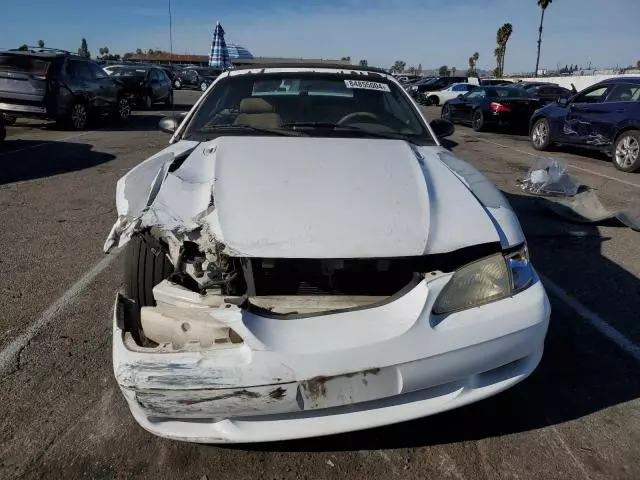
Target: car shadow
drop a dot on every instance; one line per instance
(22, 160)
(581, 372)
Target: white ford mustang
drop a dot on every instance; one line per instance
(306, 259)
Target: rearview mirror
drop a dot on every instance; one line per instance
(442, 128)
(170, 124)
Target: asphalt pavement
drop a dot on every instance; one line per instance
(62, 415)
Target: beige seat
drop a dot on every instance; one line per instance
(257, 112)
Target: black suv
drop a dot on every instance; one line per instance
(199, 77)
(57, 85)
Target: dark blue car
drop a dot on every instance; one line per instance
(605, 116)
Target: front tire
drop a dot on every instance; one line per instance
(169, 100)
(79, 116)
(145, 266)
(626, 151)
(477, 121)
(123, 110)
(445, 114)
(433, 101)
(540, 135)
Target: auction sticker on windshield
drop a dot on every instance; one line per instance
(363, 84)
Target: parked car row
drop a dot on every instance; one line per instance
(143, 85)
(59, 86)
(604, 117)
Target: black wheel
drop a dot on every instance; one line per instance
(626, 151)
(203, 86)
(540, 135)
(477, 121)
(79, 116)
(123, 109)
(145, 266)
(433, 100)
(445, 114)
(169, 100)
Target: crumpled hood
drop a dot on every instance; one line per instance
(301, 197)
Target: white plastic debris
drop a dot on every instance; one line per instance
(549, 177)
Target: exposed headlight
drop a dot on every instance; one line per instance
(487, 280)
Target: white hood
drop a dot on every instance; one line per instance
(301, 197)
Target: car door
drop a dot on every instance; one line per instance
(106, 91)
(79, 79)
(607, 117)
(167, 84)
(453, 92)
(154, 84)
(584, 110)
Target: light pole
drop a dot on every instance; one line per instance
(170, 34)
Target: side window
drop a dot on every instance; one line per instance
(79, 70)
(624, 93)
(478, 93)
(459, 88)
(163, 76)
(154, 75)
(595, 95)
(97, 71)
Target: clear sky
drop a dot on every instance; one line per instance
(430, 32)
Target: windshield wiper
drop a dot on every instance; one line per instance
(248, 128)
(349, 128)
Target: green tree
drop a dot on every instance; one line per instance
(24, 47)
(41, 43)
(443, 71)
(543, 4)
(412, 70)
(346, 59)
(83, 51)
(502, 38)
(138, 51)
(398, 66)
(419, 71)
(473, 60)
(150, 52)
(453, 71)
(363, 63)
(638, 64)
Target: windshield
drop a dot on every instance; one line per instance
(127, 72)
(308, 104)
(510, 92)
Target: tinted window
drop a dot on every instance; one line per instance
(79, 70)
(507, 92)
(460, 88)
(624, 93)
(478, 93)
(128, 72)
(24, 63)
(592, 96)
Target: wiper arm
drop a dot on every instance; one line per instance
(348, 128)
(248, 128)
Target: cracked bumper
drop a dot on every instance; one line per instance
(263, 391)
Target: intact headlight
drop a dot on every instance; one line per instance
(487, 280)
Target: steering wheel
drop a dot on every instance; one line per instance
(351, 116)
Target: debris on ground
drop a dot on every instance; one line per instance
(586, 207)
(549, 176)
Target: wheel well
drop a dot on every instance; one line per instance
(623, 130)
(533, 121)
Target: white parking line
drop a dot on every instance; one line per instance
(12, 350)
(595, 320)
(46, 142)
(631, 184)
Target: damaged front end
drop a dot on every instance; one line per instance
(246, 318)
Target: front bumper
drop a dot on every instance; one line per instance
(333, 373)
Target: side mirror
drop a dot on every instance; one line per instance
(563, 101)
(442, 128)
(459, 95)
(170, 124)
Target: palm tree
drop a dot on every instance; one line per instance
(507, 30)
(543, 4)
